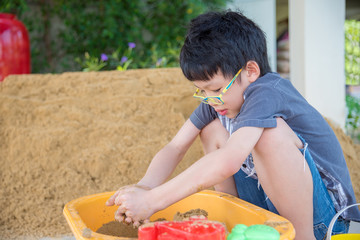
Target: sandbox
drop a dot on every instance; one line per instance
(85, 215)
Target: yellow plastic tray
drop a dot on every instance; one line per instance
(350, 236)
(87, 214)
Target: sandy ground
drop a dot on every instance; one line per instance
(63, 136)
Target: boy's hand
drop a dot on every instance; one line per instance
(134, 204)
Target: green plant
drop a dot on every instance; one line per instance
(107, 62)
(91, 63)
(353, 117)
(64, 30)
(13, 6)
(352, 52)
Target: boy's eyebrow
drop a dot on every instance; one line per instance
(195, 85)
(205, 86)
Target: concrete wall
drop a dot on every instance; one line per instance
(316, 48)
(317, 54)
(263, 13)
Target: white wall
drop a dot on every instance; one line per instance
(317, 54)
(316, 48)
(263, 13)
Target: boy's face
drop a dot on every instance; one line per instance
(233, 98)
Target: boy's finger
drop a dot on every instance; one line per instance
(119, 218)
(119, 215)
(111, 200)
(119, 200)
(128, 220)
(129, 213)
(117, 212)
(122, 209)
(136, 224)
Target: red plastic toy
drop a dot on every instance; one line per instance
(14, 46)
(185, 230)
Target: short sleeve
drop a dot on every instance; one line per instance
(203, 115)
(261, 106)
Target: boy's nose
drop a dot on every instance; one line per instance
(212, 104)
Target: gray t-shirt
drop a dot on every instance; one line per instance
(271, 96)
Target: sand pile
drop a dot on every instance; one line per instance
(68, 135)
(352, 155)
(74, 134)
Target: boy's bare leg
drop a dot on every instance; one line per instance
(280, 168)
(214, 136)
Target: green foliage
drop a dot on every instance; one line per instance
(352, 72)
(352, 52)
(91, 63)
(64, 30)
(13, 6)
(353, 117)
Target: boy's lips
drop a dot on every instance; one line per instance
(222, 112)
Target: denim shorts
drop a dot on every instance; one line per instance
(324, 210)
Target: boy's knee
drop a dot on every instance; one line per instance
(280, 136)
(269, 139)
(213, 136)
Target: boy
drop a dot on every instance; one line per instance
(263, 142)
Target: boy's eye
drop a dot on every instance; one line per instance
(217, 90)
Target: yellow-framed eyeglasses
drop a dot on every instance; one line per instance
(217, 100)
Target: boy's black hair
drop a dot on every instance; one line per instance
(223, 41)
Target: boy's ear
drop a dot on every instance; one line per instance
(252, 71)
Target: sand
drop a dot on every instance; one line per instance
(120, 229)
(63, 136)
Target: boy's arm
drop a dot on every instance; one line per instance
(211, 169)
(166, 160)
(215, 167)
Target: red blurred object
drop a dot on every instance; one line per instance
(184, 230)
(14, 46)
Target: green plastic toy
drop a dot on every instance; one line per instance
(254, 232)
